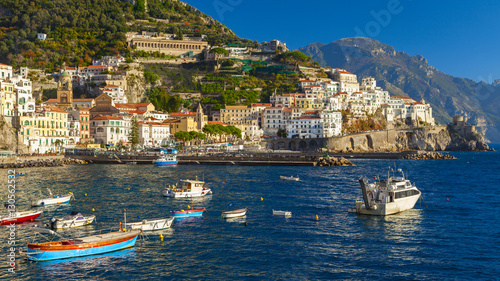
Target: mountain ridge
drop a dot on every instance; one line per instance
(402, 74)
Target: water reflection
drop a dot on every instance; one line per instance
(113, 260)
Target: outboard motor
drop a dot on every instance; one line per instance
(52, 223)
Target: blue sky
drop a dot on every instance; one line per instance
(457, 37)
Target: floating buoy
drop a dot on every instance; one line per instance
(49, 184)
(447, 199)
(223, 182)
(85, 194)
(317, 218)
(246, 223)
(93, 209)
(261, 199)
(1, 198)
(182, 211)
(161, 237)
(73, 184)
(129, 188)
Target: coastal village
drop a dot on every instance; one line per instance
(325, 107)
(144, 139)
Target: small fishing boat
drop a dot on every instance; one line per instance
(74, 219)
(290, 178)
(150, 225)
(59, 199)
(83, 246)
(19, 217)
(234, 213)
(166, 160)
(386, 197)
(187, 213)
(282, 213)
(16, 175)
(186, 189)
(190, 212)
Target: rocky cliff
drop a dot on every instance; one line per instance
(8, 137)
(444, 140)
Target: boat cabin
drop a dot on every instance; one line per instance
(192, 185)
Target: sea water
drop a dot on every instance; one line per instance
(452, 233)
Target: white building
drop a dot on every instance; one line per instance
(151, 134)
(348, 81)
(73, 130)
(41, 36)
(331, 122)
(116, 93)
(5, 71)
(110, 130)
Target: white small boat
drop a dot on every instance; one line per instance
(234, 213)
(290, 178)
(58, 199)
(131, 163)
(74, 219)
(150, 225)
(282, 213)
(187, 189)
(386, 197)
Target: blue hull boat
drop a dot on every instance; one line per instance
(187, 213)
(84, 246)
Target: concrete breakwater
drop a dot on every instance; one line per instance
(262, 159)
(48, 162)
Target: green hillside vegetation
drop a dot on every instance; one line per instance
(217, 89)
(81, 30)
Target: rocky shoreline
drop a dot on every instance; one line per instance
(429, 155)
(51, 162)
(333, 161)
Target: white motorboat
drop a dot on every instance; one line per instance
(282, 213)
(58, 199)
(187, 189)
(234, 213)
(387, 197)
(150, 225)
(290, 178)
(74, 219)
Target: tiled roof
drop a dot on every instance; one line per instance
(107, 117)
(54, 109)
(82, 100)
(182, 114)
(343, 71)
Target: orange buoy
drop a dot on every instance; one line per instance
(73, 184)
(447, 199)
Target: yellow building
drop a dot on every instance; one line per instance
(46, 130)
(183, 124)
(307, 104)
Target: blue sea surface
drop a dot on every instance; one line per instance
(451, 234)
